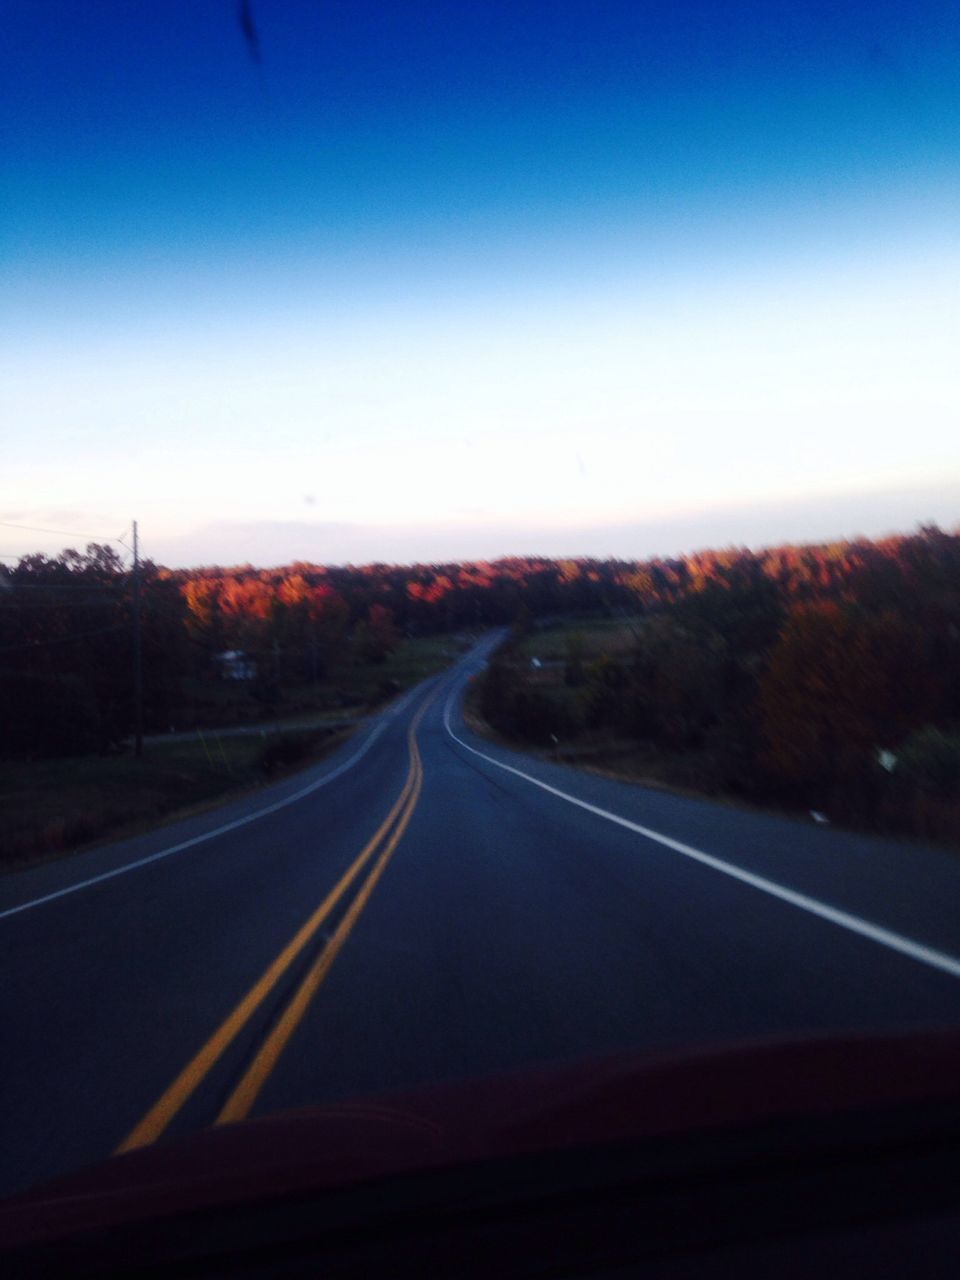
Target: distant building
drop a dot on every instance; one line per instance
(234, 664)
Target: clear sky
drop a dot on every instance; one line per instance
(449, 279)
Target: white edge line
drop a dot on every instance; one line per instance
(208, 835)
(885, 937)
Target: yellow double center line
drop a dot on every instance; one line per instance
(239, 1103)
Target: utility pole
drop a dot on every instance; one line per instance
(137, 650)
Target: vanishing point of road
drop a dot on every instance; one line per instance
(424, 906)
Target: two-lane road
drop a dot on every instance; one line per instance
(425, 906)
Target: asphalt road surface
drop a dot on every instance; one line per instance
(425, 906)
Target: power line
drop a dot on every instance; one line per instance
(67, 533)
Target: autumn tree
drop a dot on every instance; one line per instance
(677, 684)
(65, 629)
(376, 635)
(840, 684)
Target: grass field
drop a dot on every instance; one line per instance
(52, 807)
(592, 638)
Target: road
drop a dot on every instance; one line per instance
(424, 906)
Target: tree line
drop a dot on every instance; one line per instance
(824, 677)
(786, 671)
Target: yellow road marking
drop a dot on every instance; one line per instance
(170, 1102)
(243, 1097)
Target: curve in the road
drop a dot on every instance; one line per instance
(845, 920)
(240, 1102)
(167, 1106)
(205, 836)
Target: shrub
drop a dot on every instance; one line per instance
(542, 715)
(930, 759)
(498, 693)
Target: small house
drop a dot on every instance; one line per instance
(234, 664)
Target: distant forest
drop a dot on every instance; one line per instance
(797, 664)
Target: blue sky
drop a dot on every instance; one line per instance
(438, 279)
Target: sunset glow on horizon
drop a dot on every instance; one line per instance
(427, 285)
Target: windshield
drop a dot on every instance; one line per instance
(480, 581)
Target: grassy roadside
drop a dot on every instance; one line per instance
(596, 752)
(621, 761)
(49, 808)
(601, 750)
(543, 707)
(599, 637)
